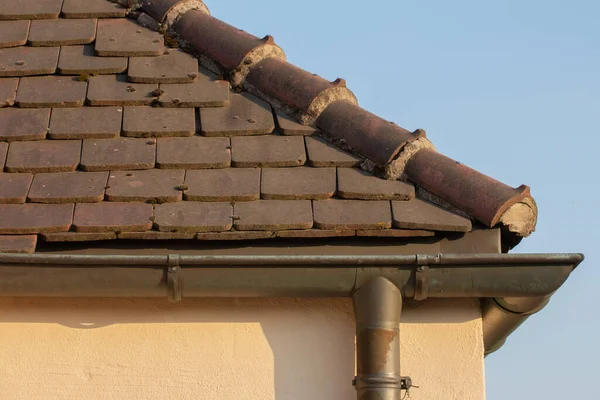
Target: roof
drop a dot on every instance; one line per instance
(154, 120)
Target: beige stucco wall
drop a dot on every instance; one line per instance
(223, 349)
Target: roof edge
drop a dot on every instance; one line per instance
(260, 67)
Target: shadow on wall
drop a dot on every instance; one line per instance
(245, 348)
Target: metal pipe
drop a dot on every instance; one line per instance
(377, 309)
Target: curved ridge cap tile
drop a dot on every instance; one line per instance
(361, 131)
(479, 195)
(295, 90)
(223, 48)
(170, 11)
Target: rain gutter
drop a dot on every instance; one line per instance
(511, 286)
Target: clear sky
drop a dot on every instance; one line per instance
(511, 88)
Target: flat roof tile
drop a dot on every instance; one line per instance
(8, 91)
(268, 151)
(245, 115)
(122, 37)
(68, 187)
(419, 214)
(18, 244)
(264, 215)
(112, 217)
(302, 183)
(77, 60)
(354, 183)
(324, 154)
(115, 90)
(3, 152)
(153, 185)
(43, 156)
(86, 123)
(25, 61)
(14, 188)
(192, 216)
(30, 9)
(230, 184)
(288, 126)
(202, 93)
(159, 122)
(118, 154)
(25, 219)
(71, 237)
(51, 91)
(92, 9)
(61, 32)
(352, 214)
(176, 66)
(23, 124)
(193, 153)
(13, 33)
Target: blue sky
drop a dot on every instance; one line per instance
(511, 88)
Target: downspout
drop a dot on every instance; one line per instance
(512, 286)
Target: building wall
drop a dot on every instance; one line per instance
(223, 349)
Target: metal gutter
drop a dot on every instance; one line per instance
(512, 286)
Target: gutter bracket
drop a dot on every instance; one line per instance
(174, 278)
(421, 278)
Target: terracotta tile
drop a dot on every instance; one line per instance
(77, 60)
(158, 122)
(191, 216)
(24, 61)
(78, 237)
(298, 183)
(51, 91)
(61, 32)
(29, 9)
(324, 154)
(3, 152)
(193, 153)
(352, 214)
(153, 185)
(112, 217)
(174, 67)
(122, 37)
(315, 233)
(288, 126)
(86, 123)
(18, 244)
(205, 92)
(245, 115)
(399, 233)
(13, 33)
(265, 215)
(268, 151)
(92, 9)
(115, 90)
(14, 188)
(44, 156)
(118, 154)
(354, 183)
(244, 235)
(419, 214)
(68, 187)
(8, 91)
(23, 124)
(154, 235)
(27, 219)
(230, 184)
